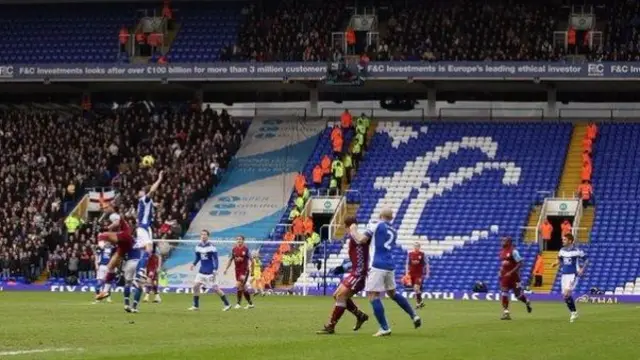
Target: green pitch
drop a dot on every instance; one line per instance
(68, 327)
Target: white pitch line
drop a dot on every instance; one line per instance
(37, 351)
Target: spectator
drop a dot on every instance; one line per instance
(538, 270)
(566, 227)
(73, 265)
(5, 265)
(546, 229)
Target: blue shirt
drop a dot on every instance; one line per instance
(383, 238)
(570, 257)
(145, 212)
(207, 256)
(104, 255)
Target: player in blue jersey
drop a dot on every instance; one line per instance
(207, 256)
(573, 263)
(103, 256)
(132, 260)
(381, 277)
(144, 235)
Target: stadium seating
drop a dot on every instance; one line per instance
(206, 29)
(63, 33)
(483, 186)
(613, 250)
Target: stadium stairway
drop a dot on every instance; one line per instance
(531, 230)
(550, 273)
(570, 179)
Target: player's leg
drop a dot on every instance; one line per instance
(144, 237)
(145, 290)
(375, 287)
(154, 289)
(340, 296)
(520, 295)
(114, 262)
(567, 292)
(245, 291)
(390, 287)
(361, 317)
(239, 292)
(108, 236)
(129, 272)
(417, 289)
(100, 280)
(197, 286)
(223, 298)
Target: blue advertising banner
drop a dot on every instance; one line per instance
(444, 295)
(223, 71)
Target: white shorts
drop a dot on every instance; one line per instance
(102, 272)
(207, 281)
(129, 269)
(144, 237)
(569, 282)
(380, 280)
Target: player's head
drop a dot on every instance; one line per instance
(240, 240)
(386, 214)
(114, 218)
(350, 220)
(416, 246)
(567, 240)
(506, 241)
(204, 235)
(144, 191)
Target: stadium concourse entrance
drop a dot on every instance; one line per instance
(556, 235)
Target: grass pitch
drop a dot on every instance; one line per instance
(67, 326)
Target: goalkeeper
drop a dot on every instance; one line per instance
(352, 284)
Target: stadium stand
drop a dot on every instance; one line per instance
(63, 33)
(469, 30)
(192, 147)
(615, 179)
(469, 166)
(208, 32)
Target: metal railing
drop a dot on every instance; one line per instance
(370, 112)
(490, 113)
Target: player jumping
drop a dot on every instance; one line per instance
(104, 252)
(240, 257)
(418, 269)
(569, 258)
(144, 235)
(119, 233)
(153, 267)
(351, 284)
(381, 277)
(511, 262)
(207, 256)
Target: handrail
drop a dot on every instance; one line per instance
(370, 111)
(491, 113)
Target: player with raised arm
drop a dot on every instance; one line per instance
(153, 267)
(352, 284)
(207, 256)
(144, 235)
(120, 234)
(510, 264)
(418, 269)
(570, 259)
(381, 278)
(240, 257)
(104, 251)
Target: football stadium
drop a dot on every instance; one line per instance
(319, 179)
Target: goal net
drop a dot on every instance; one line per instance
(277, 266)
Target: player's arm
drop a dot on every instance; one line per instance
(360, 238)
(518, 259)
(249, 263)
(557, 262)
(156, 185)
(229, 263)
(584, 264)
(214, 257)
(426, 268)
(195, 261)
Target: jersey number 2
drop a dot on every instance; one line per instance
(392, 239)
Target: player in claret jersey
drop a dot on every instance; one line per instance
(418, 270)
(120, 234)
(241, 258)
(352, 284)
(510, 264)
(153, 267)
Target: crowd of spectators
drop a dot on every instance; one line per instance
(470, 30)
(292, 31)
(49, 158)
